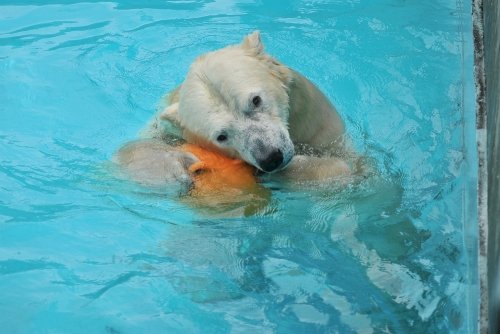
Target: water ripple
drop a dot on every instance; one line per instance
(183, 22)
(18, 266)
(121, 279)
(39, 26)
(24, 40)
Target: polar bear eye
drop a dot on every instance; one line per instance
(221, 138)
(256, 101)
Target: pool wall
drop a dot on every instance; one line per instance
(491, 63)
(487, 44)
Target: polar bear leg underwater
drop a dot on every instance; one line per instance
(153, 163)
(242, 102)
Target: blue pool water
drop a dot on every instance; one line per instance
(84, 252)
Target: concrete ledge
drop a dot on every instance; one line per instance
(487, 64)
(492, 65)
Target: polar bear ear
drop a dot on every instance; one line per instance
(171, 114)
(253, 43)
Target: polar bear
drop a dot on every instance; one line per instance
(241, 101)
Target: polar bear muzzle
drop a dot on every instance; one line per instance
(269, 151)
(272, 161)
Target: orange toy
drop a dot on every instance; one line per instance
(216, 173)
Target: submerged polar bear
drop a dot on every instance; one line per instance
(241, 101)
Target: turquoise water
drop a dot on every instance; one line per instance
(84, 252)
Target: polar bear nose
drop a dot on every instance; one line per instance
(272, 161)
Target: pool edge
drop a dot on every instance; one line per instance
(478, 39)
(486, 17)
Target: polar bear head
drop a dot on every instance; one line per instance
(236, 100)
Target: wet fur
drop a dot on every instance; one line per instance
(295, 116)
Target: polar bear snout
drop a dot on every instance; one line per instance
(268, 148)
(272, 161)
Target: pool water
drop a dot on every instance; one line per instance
(84, 252)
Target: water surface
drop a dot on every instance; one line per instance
(83, 252)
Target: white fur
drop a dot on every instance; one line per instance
(216, 98)
(220, 84)
(153, 163)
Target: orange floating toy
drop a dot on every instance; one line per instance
(216, 172)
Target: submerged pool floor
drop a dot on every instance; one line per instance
(83, 252)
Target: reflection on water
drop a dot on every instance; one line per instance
(347, 258)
